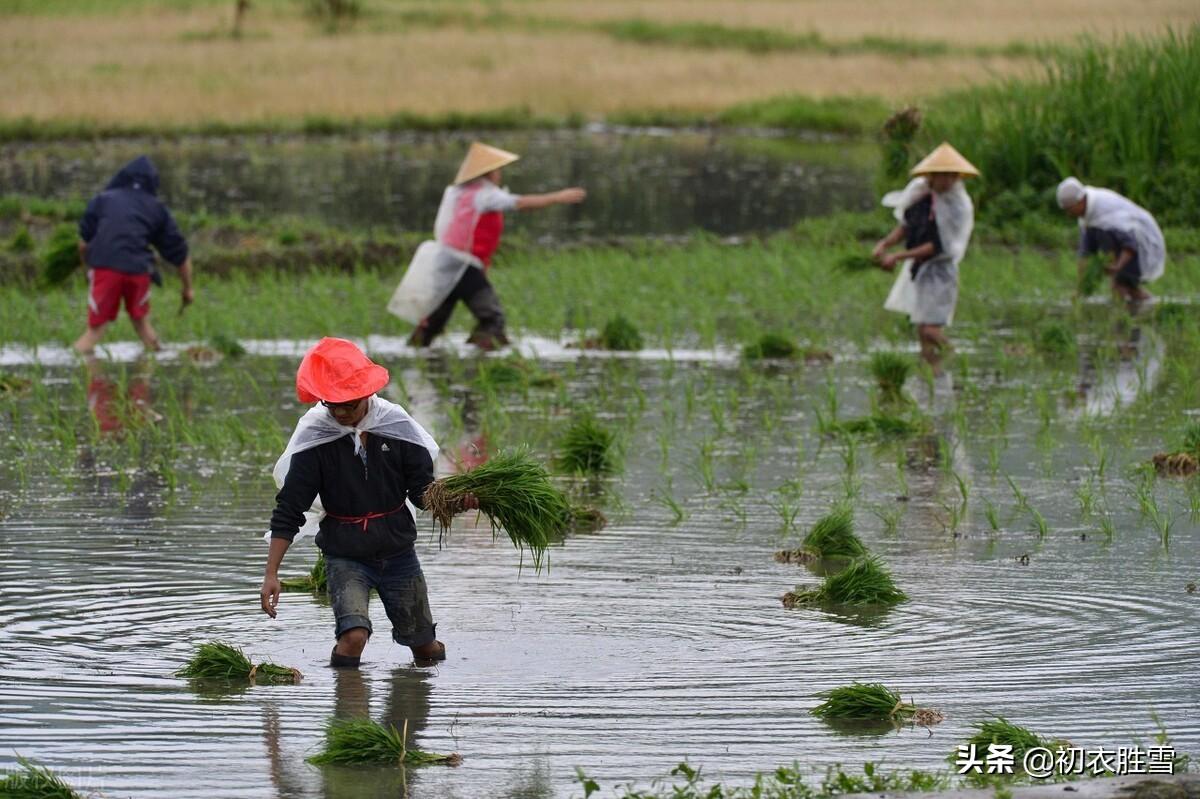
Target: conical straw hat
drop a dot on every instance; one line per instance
(945, 159)
(481, 159)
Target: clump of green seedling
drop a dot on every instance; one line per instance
(587, 447)
(770, 346)
(227, 345)
(865, 582)
(512, 373)
(216, 660)
(1056, 339)
(881, 424)
(351, 741)
(1091, 278)
(60, 257)
(35, 782)
(857, 263)
(999, 731)
(316, 580)
(872, 702)
(621, 335)
(1184, 461)
(891, 371)
(831, 537)
(11, 384)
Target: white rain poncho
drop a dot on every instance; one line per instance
(930, 299)
(317, 427)
(438, 265)
(1108, 210)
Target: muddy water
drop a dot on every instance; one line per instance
(639, 183)
(644, 644)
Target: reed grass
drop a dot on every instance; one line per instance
(864, 582)
(891, 371)
(770, 346)
(216, 660)
(35, 782)
(620, 334)
(515, 493)
(358, 741)
(316, 581)
(874, 702)
(587, 447)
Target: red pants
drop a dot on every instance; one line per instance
(106, 288)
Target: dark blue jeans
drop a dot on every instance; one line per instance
(401, 586)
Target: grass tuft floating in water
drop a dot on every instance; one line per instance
(1184, 461)
(891, 371)
(516, 494)
(587, 447)
(864, 582)
(35, 782)
(872, 702)
(217, 660)
(999, 731)
(832, 536)
(315, 581)
(621, 335)
(351, 741)
(770, 345)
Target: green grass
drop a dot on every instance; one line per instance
(871, 702)
(360, 741)
(1056, 340)
(770, 345)
(32, 781)
(620, 334)
(587, 448)
(316, 581)
(216, 660)
(516, 494)
(864, 582)
(891, 371)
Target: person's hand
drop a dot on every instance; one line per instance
(572, 196)
(269, 595)
(888, 262)
(470, 502)
(880, 249)
(1111, 268)
(187, 296)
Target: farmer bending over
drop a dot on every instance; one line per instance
(117, 230)
(354, 459)
(469, 223)
(1111, 223)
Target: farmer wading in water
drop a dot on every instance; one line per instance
(349, 467)
(116, 232)
(936, 217)
(469, 224)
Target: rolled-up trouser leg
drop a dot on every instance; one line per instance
(484, 305)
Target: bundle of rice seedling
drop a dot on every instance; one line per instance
(1092, 277)
(865, 581)
(220, 661)
(35, 782)
(857, 263)
(11, 384)
(227, 345)
(315, 581)
(587, 519)
(872, 701)
(587, 447)
(1184, 461)
(891, 370)
(881, 424)
(831, 537)
(1002, 732)
(620, 334)
(21, 241)
(1056, 339)
(513, 372)
(60, 258)
(350, 741)
(770, 345)
(516, 494)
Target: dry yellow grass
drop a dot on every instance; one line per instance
(151, 67)
(969, 22)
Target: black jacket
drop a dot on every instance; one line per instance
(127, 218)
(348, 488)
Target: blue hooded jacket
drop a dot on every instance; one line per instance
(122, 222)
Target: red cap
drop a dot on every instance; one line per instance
(336, 370)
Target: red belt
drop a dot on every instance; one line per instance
(364, 519)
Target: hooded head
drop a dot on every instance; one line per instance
(137, 174)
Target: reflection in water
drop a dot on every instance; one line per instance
(117, 401)
(1140, 356)
(636, 184)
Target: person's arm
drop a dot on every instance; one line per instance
(185, 274)
(173, 247)
(887, 242)
(87, 227)
(1124, 256)
(532, 202)
(300, 488)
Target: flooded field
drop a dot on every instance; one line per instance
(134, 496)
(638, 182)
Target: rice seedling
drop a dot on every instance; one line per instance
(857, 263)
(881, 424)
(1184, 461)
(670, 503)
(35, 782)
(216, 660)
(60, 257)
(989, 512)
(1091, 278)
(890, 516)
(352, 741)
(1039, 522)
(515, 493)
(620, 334)
(770, 346)
(227, 345)
(11, 384)
(832, 536)
(316, 581)
(891, 370)
(864, 582)
(999, 731)
(874, 702)
(587, 447)
(21, 241)
(787, 512)
(1056, 340)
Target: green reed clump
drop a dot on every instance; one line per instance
(1002, 732)
(620, 334)
(60, 257)
(216, 660)
(872, 702)
(315, 581)
(35, 782)
(831, 537)
(587, 447)
(227, 345)
(350, 741)
(1091, 279)
(864, 582)
(857, 263)
(1056, 339)
(515, 492)
(891, 371)
(770, 345)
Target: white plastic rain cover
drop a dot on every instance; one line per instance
(1108, 210)
(432, 274)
